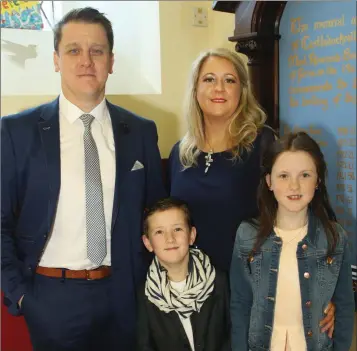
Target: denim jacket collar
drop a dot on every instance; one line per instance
(313, 231)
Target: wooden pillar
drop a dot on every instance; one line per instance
(256, 35)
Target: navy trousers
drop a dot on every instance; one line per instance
(70, 314)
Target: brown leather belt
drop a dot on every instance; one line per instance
(92, 274)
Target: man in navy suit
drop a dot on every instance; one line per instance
(77, 174)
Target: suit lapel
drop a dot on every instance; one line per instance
(122, 138)
(49, 130)
(48, 127)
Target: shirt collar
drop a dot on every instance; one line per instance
(72, 112)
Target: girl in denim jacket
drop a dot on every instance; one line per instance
(288, 264)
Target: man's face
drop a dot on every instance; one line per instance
(84, 61)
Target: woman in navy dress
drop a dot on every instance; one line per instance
(215, 168)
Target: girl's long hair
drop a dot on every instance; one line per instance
(320, 204)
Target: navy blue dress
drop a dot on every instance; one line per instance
(221, 198)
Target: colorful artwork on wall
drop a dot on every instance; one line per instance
(21, 15)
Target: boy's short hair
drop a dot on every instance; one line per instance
(164, 205)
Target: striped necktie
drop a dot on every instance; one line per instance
(95, 220)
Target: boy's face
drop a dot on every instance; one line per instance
(169, 237)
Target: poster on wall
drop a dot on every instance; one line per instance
(317, 93)
(21, 15)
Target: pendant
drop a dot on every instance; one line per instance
(209, 160)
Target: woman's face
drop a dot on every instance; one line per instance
(218, 88)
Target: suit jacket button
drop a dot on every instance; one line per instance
(304, 247)
(309, 333)
(306, 275)
(308, 304)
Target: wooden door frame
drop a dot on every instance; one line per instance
(257, 35)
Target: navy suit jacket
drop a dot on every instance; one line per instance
(30, 180)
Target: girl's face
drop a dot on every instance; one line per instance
(293, 180)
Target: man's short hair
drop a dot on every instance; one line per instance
(85, 15)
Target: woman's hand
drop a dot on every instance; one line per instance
(328, 323)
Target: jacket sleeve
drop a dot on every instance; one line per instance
(155, 189)
(12, 279)
(241, 301)
(344, 301)
(143, 337)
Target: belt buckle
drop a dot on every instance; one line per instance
(88, 275)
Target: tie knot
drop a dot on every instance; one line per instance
(87, 119)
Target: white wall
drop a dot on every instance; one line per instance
(27, 54)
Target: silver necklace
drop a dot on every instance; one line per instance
(288, 241)
(209, 160)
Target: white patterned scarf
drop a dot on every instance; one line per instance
(199, 286)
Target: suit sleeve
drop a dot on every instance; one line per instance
(12, 280)
(155, 189)
(241, 301)
(344, 301)
(143, 337)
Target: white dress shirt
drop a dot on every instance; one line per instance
(67, 243)
(186, 322)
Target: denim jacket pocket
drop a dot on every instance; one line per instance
(328, 269)
(252, 266)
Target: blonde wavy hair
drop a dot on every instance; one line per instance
(245, 122)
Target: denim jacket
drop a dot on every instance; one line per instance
(253, 289)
